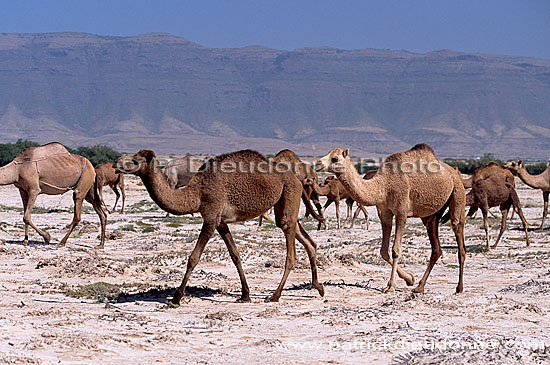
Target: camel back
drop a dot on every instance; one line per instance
(33, 154)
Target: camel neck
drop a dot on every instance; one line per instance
(321, 190)
(468, 182)
(365, 192)
(535, 181)
(8, 174)
(184, 200)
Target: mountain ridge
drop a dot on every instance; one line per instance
(157, 87)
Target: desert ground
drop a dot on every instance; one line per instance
(76, 304)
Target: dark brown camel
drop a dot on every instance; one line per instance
(234, 187)
(495, 191)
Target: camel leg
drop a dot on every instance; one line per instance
(78, 199)
(327, 203)
(100, 195)
(386, 222)
(311, 249)
(456, 211)
(337, 204)
(223, 230)
(366, 214)
(492, 214)
(400, 221)
(282, 219)
(545, 208)
(504, 211)
(207, 230)
(122, 191)
(117, 194)
(516, 204)
(30, 200)
(90, 198)
(432, 226)
(485, 225)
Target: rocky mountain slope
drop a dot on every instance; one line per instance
(167, 93)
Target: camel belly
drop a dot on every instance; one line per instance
(429, 194)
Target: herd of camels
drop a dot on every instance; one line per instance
(221, 197)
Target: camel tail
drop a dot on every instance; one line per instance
(310, 209)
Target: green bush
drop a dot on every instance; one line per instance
(8, 151)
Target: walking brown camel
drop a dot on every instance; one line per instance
(106, 175)
(286, 159)
(483, 172)
(52, 170)
(334, 191)
(494, 191)
(492, 168)
(224, 193)
(540, 181)
(414, 183)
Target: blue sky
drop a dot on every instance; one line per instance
(484, 26)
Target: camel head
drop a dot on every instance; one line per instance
(138, 164)
(335, 161)
(513, 166)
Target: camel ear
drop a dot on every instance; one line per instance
(345, 153)
(149, 155)
(519, 163)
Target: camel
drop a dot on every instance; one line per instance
(494, 191)
(234, 187)
(106, 175)
(492, 168)
(414, 183)
(540, 181)
(334, 190)
(51, 169)
(179, 171)
(303, 171)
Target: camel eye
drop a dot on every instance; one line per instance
(334, 159)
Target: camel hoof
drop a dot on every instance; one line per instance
(171, 304)
(458, 289)
(410, 282)
(47, 237)
(243, 300)
(493, 246)
(321, 290)
(271, 299)
(418, 289)
(389, 289)
(99, 247)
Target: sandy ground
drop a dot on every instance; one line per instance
(55, 309)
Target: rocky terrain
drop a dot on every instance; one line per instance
(75, 304)
(170, 94)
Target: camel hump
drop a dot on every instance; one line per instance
(244, 156)
(422, 147)
(493, 163)
(285, 155)
(41, 152)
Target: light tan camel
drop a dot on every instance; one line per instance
(232, 188)
(414, 183)
(494, 191)
(52, 170)
(483, 172)
(179, 171)
(288, 159)
(106, 175)
(540, 181)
